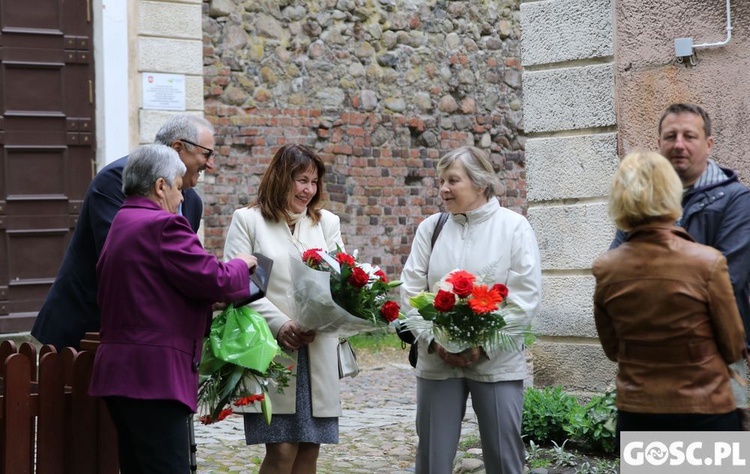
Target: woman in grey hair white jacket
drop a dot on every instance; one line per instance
(489, 241)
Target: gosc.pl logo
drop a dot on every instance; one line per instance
(677, 453)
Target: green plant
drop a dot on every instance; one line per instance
(602, 466)
(534, 452)
(541, 462)
(561, 457)
(594, 426)
(546, 412)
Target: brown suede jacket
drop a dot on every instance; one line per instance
(665, 312)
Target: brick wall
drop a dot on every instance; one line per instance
(381, 91)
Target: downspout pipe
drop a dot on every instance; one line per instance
(729, 32)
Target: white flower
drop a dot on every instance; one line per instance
(369, 269)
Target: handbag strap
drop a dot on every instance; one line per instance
(435, 233)
(438, 227)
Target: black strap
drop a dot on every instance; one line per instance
(404, 334)
(439, 226)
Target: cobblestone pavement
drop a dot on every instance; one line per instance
(376, 432)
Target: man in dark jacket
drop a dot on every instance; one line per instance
(715, 205)
(70, 309)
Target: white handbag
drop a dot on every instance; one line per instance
(348, 366)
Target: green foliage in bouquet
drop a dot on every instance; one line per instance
(469, 313)
(222, 384)
(240, 350)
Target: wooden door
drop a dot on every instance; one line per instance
(46, 145)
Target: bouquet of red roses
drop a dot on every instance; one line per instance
(464, 313)
(335, 293)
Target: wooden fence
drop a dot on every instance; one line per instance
(48, 422)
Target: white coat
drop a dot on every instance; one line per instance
(249, 232)
(489, 241)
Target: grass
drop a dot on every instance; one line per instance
(471, 441)
(375, 341)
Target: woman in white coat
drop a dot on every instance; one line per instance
(285, 216)
(489, 241)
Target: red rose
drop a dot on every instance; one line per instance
(502, 289)
(381, 274)
(312, 258)
(390, 310)
(345, 259)
(358, 278)
(444, 301)
(463, 283)
(460, 275)
(462, 287)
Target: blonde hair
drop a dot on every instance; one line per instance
(645, 189)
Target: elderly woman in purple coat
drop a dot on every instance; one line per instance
(156, 288)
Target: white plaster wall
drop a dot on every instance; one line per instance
(569, 98)
(580, 367)
(170, 19)
(566, 307)
(167, 55)
(111, 68)
(566, 30)
(131, 38)
(571, 155)
(170, 41)
(570, 166)
(571, 236)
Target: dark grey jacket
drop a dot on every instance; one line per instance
(718, 215)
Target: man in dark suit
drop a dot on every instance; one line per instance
(70, 309)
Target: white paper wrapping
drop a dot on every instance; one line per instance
(313, 306)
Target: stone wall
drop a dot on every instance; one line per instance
(382, 88)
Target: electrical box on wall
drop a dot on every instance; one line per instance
(683, 47)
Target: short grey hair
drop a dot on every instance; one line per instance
(146, 164)
(478, 167)
(182, 127)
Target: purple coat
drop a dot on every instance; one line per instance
(156, 288)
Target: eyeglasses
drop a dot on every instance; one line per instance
(209, 152)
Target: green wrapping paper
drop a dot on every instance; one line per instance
(241, 336)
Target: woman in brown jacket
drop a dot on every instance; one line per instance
(665, 310)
